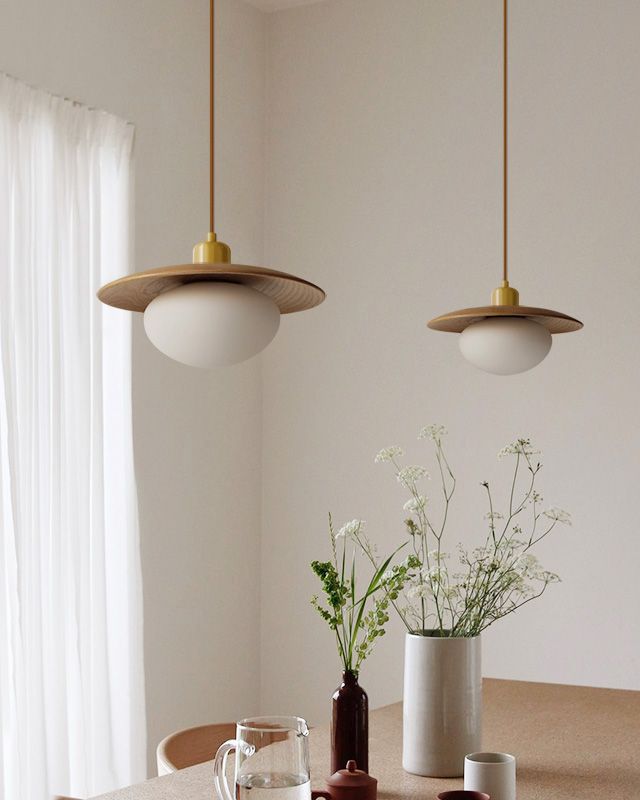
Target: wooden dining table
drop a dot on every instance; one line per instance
(570, 742)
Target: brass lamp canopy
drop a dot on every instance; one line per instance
(211, 258)
(505, 300)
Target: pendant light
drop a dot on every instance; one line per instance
(211, 312)
(505, 337)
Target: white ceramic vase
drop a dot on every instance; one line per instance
(442, 704)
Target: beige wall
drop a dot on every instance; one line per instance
(197, 434)
(383, 184)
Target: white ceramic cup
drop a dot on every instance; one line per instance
(493, 773)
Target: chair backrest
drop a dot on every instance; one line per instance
(192, 746)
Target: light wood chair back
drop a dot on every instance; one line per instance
(192, 746)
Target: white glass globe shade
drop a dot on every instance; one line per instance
(210, 324)
(505, 345)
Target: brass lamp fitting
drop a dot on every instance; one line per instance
(212, 251)
(505, 295)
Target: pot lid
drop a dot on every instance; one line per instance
(351, 778)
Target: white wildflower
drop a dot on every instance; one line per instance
(520, 447)
(433, 432)
(419, 591)
(388, 454)
(491, 515)
(526, 590)
(507, 450)
(558, 515)
(408, 476)
(435, 556)
(433, 574)
(451, 592)
(350, 529)
(416, 504)
(528, 566)
(482, 554)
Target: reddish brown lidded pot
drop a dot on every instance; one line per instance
(350, 784)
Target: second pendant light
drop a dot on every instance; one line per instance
(505, 337)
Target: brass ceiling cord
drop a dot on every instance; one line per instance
(212, 74)
(505, 86)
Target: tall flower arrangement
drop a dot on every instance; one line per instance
(461, 597)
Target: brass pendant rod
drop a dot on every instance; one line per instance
(211, 119)
(504, 147)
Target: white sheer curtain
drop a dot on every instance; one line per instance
(71, 671)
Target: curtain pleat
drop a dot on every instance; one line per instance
(71, 663)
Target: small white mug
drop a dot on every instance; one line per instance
(493, 773)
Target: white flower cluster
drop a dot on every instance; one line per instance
(416, 504)
(527, 565)
(521, 447)
(529, 569)
(491, 515)
(388, 454)
(558, 515)
(433, 432)
(420, 591)
(479, 554)
(435, 573)
(408, 476)
(435, 584)
(350, 529)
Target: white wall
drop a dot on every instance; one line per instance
(197, 434)
(383, 185)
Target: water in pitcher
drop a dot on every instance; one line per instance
(273, 786)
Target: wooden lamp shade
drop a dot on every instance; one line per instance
(457, 321)
(135, 292)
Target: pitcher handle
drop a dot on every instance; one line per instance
(220, 766)
(220, 769)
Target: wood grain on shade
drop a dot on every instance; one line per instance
(135, 292)
(457, 321)
(570, 742)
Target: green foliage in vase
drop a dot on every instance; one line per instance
(357, 620)
(488, 582)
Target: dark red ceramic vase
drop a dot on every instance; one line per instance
(350, 724)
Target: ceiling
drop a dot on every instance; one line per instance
(276, 5)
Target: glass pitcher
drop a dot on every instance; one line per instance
(272, 761)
